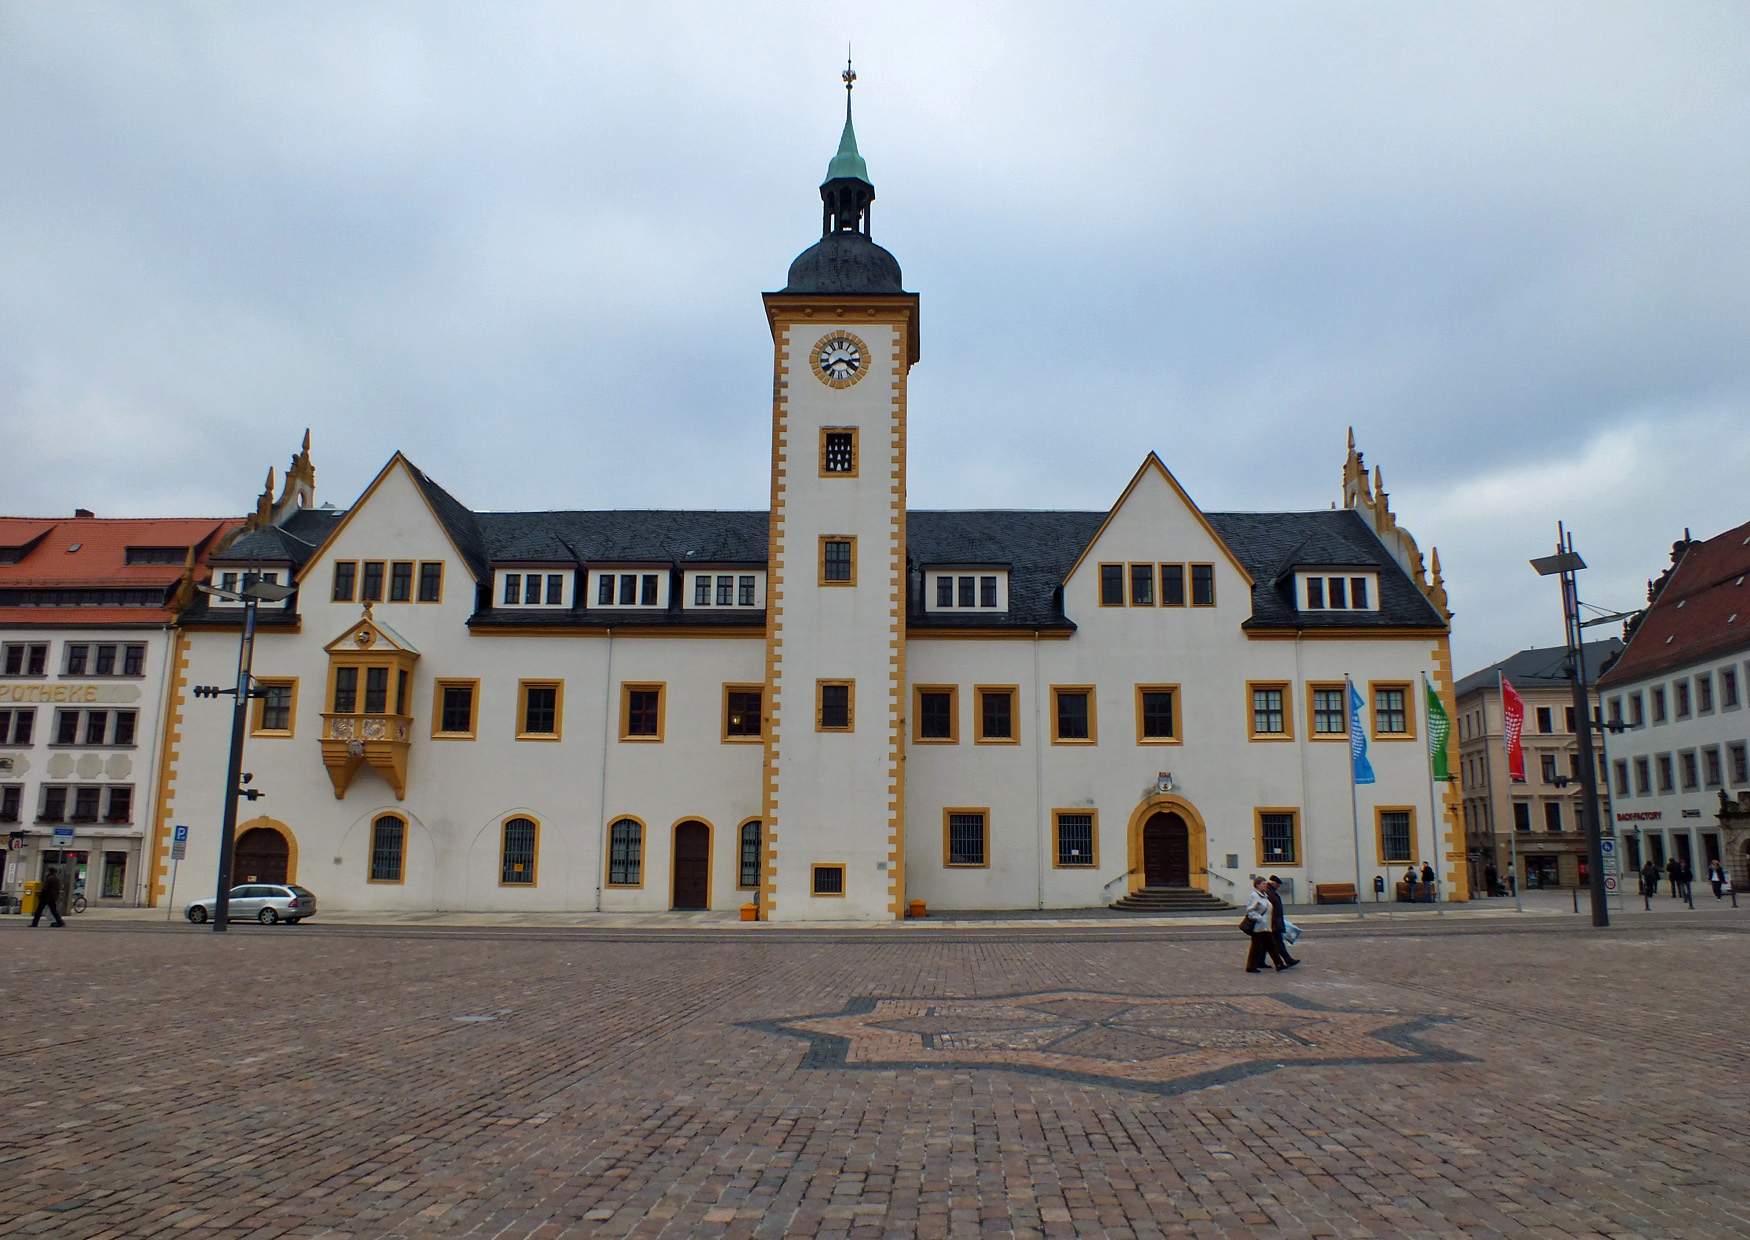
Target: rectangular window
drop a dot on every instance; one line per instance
(1358, 593)
(376, 691)
(742, 720)
(996, 714)
(77, 656)
(54, 804)
(626, 853)
(744, 590)
(532, 588)
(1544, 724)
(641, 712)
(1643, 777)
(965, 597)
(1616, 709)
(1568, 719)
(24, 658)
(388, 849)
(1667, 773)
(725, 590)
(371, 585)
(431, 581)
(1203, 585)
(121, 804)
(835, 705)
(1728, 688)
(1691, 771)
(838, 451)
(1339, 596)
(1329, 718)
(1621, 772)
(115, 870)
(1391, 713)
(1547, 766)
(228, 582)
(1552, 815)
(1637, 711)
(1396, 833)
(1315, 593)
(826, 880)
(555, 589)
(1074, 839)
(1157, 714)
(1271, 714)
(273, 709)
(1072, 715)
(1111, 585)
(400, 581)
(346, 684)
(965, 836)
(105, 661)
(1740, 757)
(1659, 704)
(11, 802)
(16, 726)
(133, 660)
(66, 727)
(1172, 585)
(96, 727)
(702, 590)
(628, 589)
(944, 591)
(1682, 688)
(838, 565)
(647, 590)
(517, 853)
(1712, 772)
(1278, 832)
(935, 714)
(748, 874)
(987, 591)
(454, 711)
(85, 802)
(604, 590)
(538, 709)
(1142, 585)
(1704, 694)
(1522, 815)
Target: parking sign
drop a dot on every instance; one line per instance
(179, 835)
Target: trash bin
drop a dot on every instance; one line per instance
(32, 894)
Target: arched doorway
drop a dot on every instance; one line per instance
(1166, 851)
(692, 865)
(260, 856)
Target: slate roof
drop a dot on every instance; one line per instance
(1037, 547)
(292, 543)
(1541, 667)
(1702, 612)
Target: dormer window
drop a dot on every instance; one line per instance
(532, 588)
(724, 589)
(966, 590)
(156, 555)
(1337, 591)
(629, 588)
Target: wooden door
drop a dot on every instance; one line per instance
(1166, 852)
(259, 857)
(692, 865)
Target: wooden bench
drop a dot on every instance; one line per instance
(1334, 893)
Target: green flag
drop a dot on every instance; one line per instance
(1439, 728)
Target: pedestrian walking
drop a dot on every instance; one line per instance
(46, 898)
(1674, 872)
(1278, 926)
(1427, 882)
(1256, 923)
(1650, 878)
(1716, 877)
(1686, 876)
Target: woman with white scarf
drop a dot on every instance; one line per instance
(1258, 918)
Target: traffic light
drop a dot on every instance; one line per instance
(211, 691)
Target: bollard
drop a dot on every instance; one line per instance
(1647, 899)
(1689, 895)
(1576, 899)
(1734, 892)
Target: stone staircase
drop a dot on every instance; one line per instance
(1167, 901)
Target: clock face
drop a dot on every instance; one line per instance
(839, 359)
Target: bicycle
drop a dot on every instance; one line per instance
(80, 903)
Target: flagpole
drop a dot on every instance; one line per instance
(1513, 831)
(1433, 803)
(1354, 801)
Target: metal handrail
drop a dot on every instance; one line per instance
(1121, 877)
(1212, 874)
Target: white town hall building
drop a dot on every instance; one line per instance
(829, 709)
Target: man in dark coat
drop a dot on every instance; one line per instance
(1650, 878)
(47, 898)
(1674, 871)
(1427, 882)
(1278, 948)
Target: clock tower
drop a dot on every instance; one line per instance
(845, 335)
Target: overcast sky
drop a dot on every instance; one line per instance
(524, 243)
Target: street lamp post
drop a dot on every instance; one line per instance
(1564, 564)
(251, 595)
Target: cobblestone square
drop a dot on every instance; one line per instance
(1486, 1078)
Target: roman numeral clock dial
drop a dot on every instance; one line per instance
(839, 359)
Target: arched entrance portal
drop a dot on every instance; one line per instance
(260, 856)
(692, 865)
(1166, 851)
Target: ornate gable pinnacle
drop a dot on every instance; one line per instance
(1373, 505)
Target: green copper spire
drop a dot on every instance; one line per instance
(847, 162)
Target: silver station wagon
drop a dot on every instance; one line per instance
(265, 902)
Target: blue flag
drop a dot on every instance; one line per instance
(1363, 769)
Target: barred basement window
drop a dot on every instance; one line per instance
(517, 853)
(838, 452)
(966, 837)
(1395, 841)
(1075, 839)
(749, 873)
(1276, 838)
(626, 853)
(827, 880)
(388, 847)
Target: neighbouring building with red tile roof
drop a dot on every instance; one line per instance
(89, 660)
(1679, 690)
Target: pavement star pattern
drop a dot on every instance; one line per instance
(1164, 1044)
